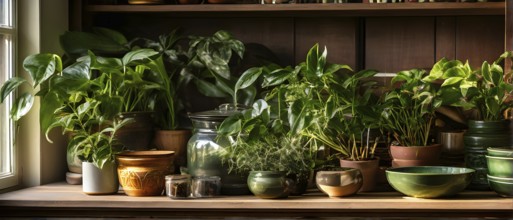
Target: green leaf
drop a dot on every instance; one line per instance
(49, 104)
(231, 125)
(22, 106)
(114, 35)
(456, 71)
(209, 89)
(277, 77)
(496, 74)
(438, 69)
(42, 66)
(78, 70)
(78, 43)
(485, 72)
(9, 86)
(248, 78)
(138, 56)
(451, 81)
(297, 116)
(312, 59)
(259, 107)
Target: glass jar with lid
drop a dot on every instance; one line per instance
(204, 147)
(178, 186)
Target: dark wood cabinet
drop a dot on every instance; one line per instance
(385, 37)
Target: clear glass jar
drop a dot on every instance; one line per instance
(206, 186)
(178, 186)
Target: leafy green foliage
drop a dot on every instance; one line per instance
(410, 108)
(486, 90)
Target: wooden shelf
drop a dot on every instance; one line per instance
(61, 199)
(349, 9)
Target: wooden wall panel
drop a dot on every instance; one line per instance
(509, 30)
(398, 43)
(445, 38)
(275, 33)
(338, 35)
(479, 38)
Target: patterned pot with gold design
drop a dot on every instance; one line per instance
(142, 173)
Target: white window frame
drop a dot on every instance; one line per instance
(11, 178)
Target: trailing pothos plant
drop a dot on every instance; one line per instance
(85, 96)
(410, 108)
(487, 91)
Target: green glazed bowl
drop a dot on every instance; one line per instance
(503, 188)
(429, 181)
(500, 151)
(500, 166)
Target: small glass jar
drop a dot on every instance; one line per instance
(206, 186)
(178, 186)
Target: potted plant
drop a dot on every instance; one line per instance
(410, 111)
(485, 95)
(346, 122)
(266, 146)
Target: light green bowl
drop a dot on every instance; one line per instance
(500, 151)
(429, 181)
(500, 166)
(502, 186)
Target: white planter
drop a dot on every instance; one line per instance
(99, 181)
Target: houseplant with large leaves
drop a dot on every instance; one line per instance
(485, 95)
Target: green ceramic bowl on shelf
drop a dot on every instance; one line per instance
(500, 151)
(429, 181)
(500, 166)
(502, 186)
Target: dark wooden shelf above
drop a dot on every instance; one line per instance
(331, 9)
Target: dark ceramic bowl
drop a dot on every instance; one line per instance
(500, 151)
(502, 186)
(339, 182)
(429, 181)
(500, 166)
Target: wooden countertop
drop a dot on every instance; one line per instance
(61, 199)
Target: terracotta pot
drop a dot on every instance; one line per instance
(369, 170)
(137, 135)
(142, 173)
(415, 155)
(174, 140)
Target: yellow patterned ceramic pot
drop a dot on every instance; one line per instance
(142, 173)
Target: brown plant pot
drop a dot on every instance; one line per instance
(137, 135)
(174, 140)
(369, 170)
(142, 173)
(415, 155)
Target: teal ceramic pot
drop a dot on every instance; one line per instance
(500, 151)
(500, 166)
(480, 136)
(429, 181)
(338, 182)
(204, 147)
(269, 184)
(502, 186)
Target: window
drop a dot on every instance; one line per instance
(8, 172)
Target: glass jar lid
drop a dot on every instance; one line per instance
(218, 114)
(178, 177)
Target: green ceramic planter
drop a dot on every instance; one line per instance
(500, 166)
(500, 151)
(269, 184)
(477, 139)
(429, 181)
(502, 186)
